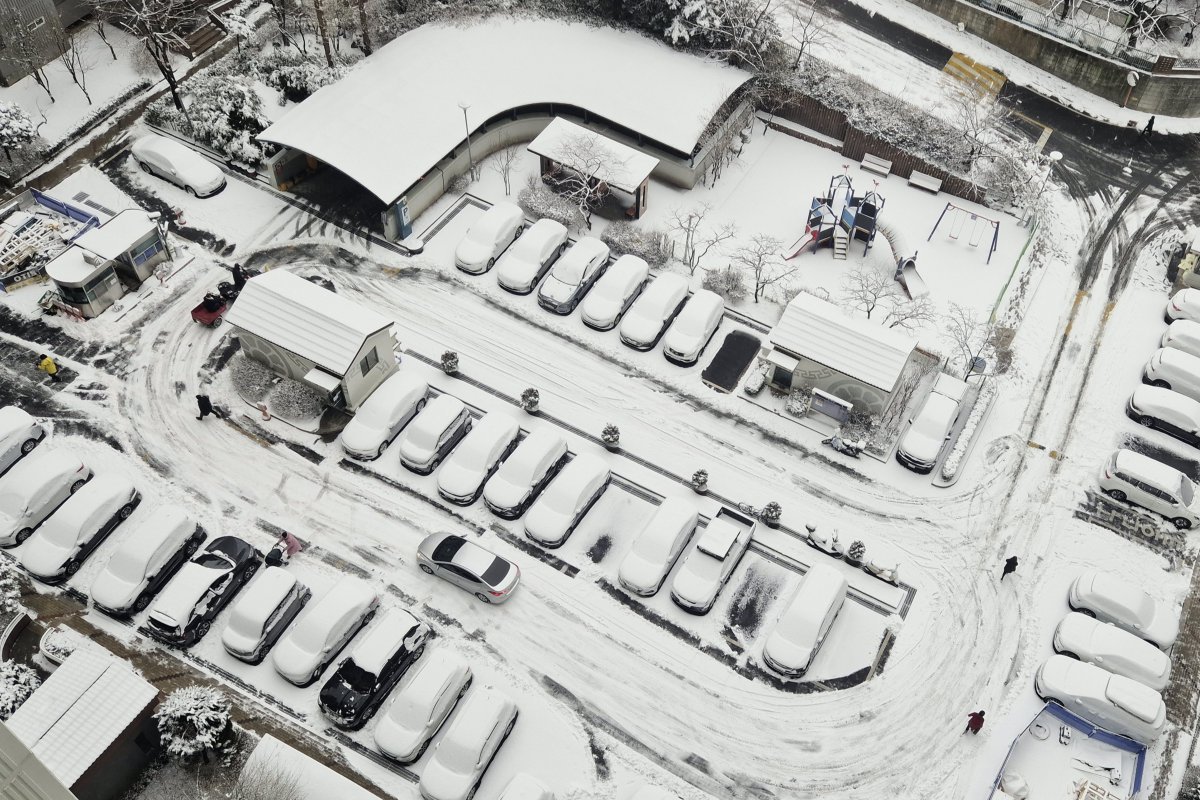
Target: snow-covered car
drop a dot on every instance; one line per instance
(178, 164)
(524, 474)
(573, 275)
(553, 516)
(1183, 334)
(19, 434)
(434, 433)
(693, 328)
(804, 624)
(653, 310)
(377, 661)
(31, 491)
(614, 293)
(524, 786)
(1112, 702)
(467, 749)
(929, 429)
(1139, 479)
(421, 703)
(146, 559)
(78, 527)
(1170, 412)
(262, 613)
(183, 614)
(526, 262)
(657, 547)
(487, 238)
(385, 413)
(478, 455)
(1111, 599)
(324, 627)
(1174, 369)
(1118, 651)
(707, 567)
(481, 572)
(1184, 304)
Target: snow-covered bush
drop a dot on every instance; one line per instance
(729, 282)
(16, 129)
(252, 379)
(756, 381)
(17, 682)
(529, 400)
(627, 238)
(10, 587)
(982, 401)
(611, 435)
(295, 75)
(857, 551)
(771, 513)
(450, 362)
(700, 481)
(223, 112)
(538, 201)
(194, 721)
(295, 400)
(797, 401)
(58, 643)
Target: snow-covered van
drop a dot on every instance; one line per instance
(1139, 479)
(145, 560)
(804, 624)
(31, 491)
(1174, 369)
(488, 237)
(79, 526)
(657, 547)
(19, 434)
(525, 473)
(262, 613)
(928, 430)
(1167, 411)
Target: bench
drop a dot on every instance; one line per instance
(923, 181)
(880, 166)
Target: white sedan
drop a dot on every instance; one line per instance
(461, 758)
(1113, 702)
(657, 547)
(614, 293)
(478, 455)
(179, 164)
(485, 240)
(524, 264)
(1184, 304)
(554, 515)
(653, 311)
(79, 526)
(1111, 599)
(708, 566)
(380, 420)
(1117, 651)
(693, 328)
(19, 434)
(418, 708)
(323, 629)
(573, 275)
(434, 433)
(33, 490)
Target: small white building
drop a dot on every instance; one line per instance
(89, 729)
(859, 361)
(94, 271)
(341, 349)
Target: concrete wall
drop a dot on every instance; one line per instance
(1155, 93)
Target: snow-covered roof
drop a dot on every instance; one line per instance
(75, 266)
(74, 716)
(313, 780)
(864, 350)
(115, 237)
(306, 319)
(397, 113)
(583, 150)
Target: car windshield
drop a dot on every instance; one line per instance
(483, 233)
(444, 553)
(356, 677)
(423, 438)
(460, 753)
(569, 270)
(60, 535)
(1186, 494)
(213, 561)
(495, 572)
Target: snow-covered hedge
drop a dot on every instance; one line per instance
(649, 244)
(757, 380)
(954, 460)
(58, 643)
(538, 201)
(251, 378)
(729, 282)
(295, 400)
(224, 112)
(17, 682)
(797, 402)
(193, 721)
(295, 74)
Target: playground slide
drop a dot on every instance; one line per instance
(910, 279)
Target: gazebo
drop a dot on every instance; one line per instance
(602, 162)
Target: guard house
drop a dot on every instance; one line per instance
(622, 172)
(302, 331)
(815, 344)
(94, 272)
(85, 733)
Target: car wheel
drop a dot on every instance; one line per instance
(1181, 523)
(1142, 419)
(379, 452)
(190, 190)
(202, 629)
(420, 405)
(1160, 383)
(27, 446)
(1117, 494)
(483, 597)
(512, 723)
(125, 511)
(249, 573)
(77, 485)
(428, 570)
(434, 465)
(218, 321)
(24, 534)
(1068, 654)
(471, 794)
(192, 546)
(420, 651)
(141, 603)
(145, 167)
(1087, 612)
(72, 567)
(1054, 700)
(491, 263)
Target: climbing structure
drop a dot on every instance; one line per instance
(839, 217)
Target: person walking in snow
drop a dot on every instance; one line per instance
(239, 277)
(1146, 131)
(48, 366)
(1010, 566)
(974, 722)
(205, 406)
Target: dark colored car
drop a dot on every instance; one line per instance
(184, 612)
(385, 652)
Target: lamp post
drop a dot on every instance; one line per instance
(467, 128)
(1054, 157)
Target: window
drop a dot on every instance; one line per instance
(148, 252)
(37, 23)
(369, 361)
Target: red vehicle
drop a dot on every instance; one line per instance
(210, 311)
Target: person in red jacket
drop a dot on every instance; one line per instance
(974, 722)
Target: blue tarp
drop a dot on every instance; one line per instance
(67, 210)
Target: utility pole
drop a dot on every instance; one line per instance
(467, 128)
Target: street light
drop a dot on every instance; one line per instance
(467, 128)
(1054, 157)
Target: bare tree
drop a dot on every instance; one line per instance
(72, 57)
(102, 32)
(265, 781)
(696, 238)
(742, 33)
(503, 162)
(322, 30)
(27, 49)
(978, 115)
(760, 258)
(866, 290)
(969, 335)
(154, 23)
(586, 166)
(908, 314)
(808, 31)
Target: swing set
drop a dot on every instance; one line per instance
(959, 217)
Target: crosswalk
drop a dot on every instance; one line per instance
(982, 78)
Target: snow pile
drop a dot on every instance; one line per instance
(193, 720)
(294, 400)
(983, 401)
(538, 201)
(251, 378)
(17, 683)
(650, 245)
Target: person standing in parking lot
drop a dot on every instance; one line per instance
(974, 722)
(1010, 566)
